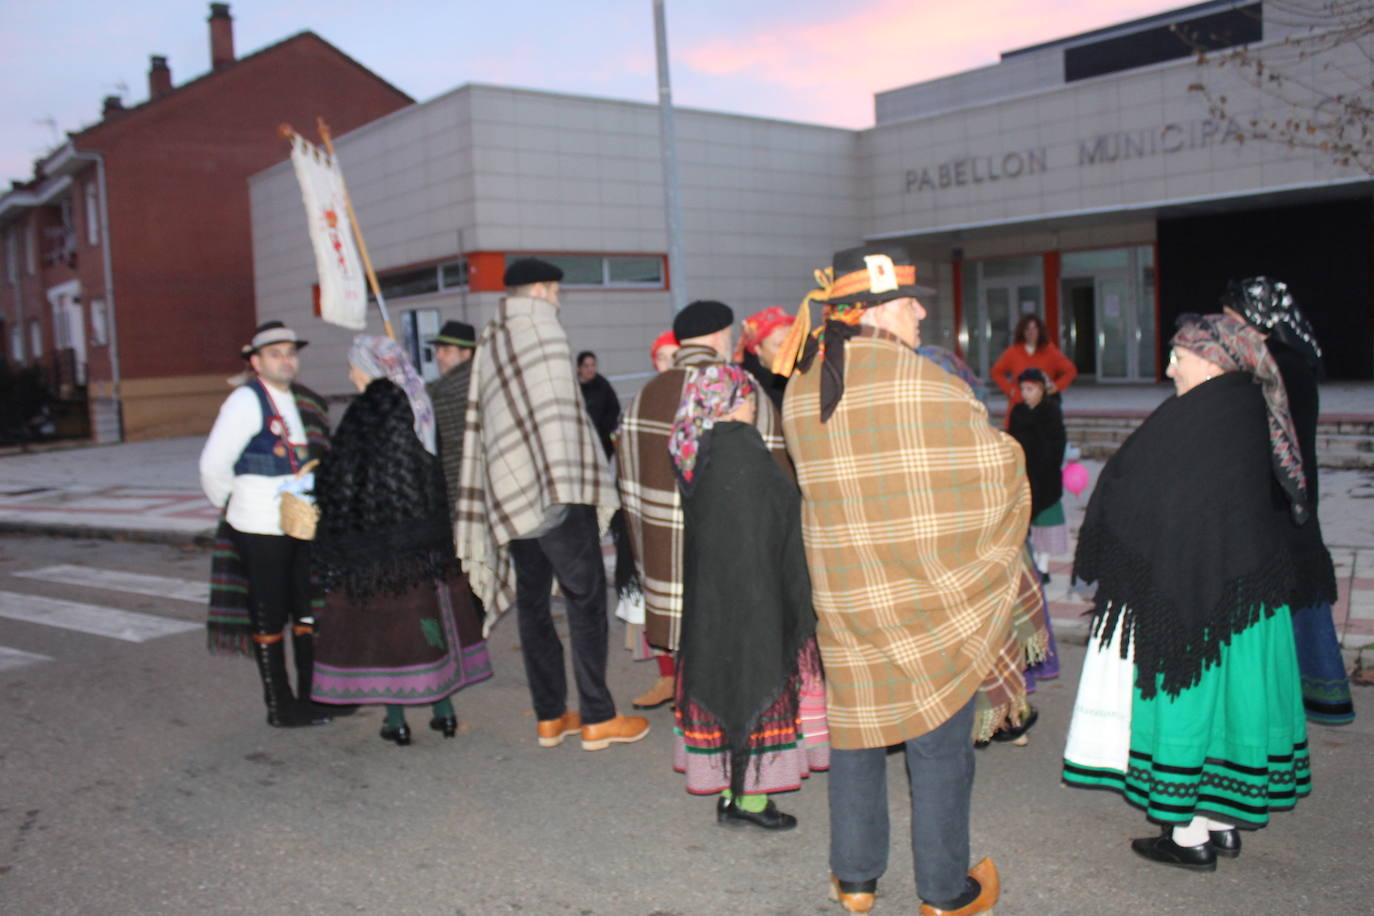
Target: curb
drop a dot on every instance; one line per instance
(200, 539)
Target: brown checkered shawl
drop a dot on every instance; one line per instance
(649, 493)
(914, 513)
(528, 445)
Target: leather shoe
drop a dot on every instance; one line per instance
(989, 888)
(553, 731)
(1165, 851)
(620, 730)
(1012, 732)
(447, 724)
(299, 714)
(398, 733)
(854, 896)
(1225, 842)
(770, 818)
(657, 695)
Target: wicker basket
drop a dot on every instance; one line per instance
(298, 517)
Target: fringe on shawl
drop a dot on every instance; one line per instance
(1170, 655)
(785, 707)
(1001, 698)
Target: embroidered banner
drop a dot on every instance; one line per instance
(343, 283)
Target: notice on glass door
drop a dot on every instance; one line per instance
(1111, 308)
(1028, 306)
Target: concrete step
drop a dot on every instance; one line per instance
(1344, 442)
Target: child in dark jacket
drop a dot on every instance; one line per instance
(1038, 425)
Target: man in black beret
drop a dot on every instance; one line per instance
(648, 486)
(534, 497)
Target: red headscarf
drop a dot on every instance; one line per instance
(759, 325)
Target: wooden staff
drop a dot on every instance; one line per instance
(287, 131)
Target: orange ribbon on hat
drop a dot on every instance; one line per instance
(790, 351)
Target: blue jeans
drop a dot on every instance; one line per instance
(939, 767)
(572, 552)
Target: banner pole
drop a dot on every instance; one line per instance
(323, 129)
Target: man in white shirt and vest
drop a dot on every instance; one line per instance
(266, 431)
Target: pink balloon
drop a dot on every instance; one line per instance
(1075, 478)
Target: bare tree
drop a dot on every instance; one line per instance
(1311, 89)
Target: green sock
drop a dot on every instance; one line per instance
(751, 803)
(443, 709)
(395, 715)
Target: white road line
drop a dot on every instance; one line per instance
(11, 659)
(115, 580)
(90, 618)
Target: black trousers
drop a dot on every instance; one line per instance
(571, 553)
(278, 571)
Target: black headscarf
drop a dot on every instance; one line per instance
(1269, 306)
(384, 522)
(1188, 533)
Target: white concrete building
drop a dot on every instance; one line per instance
(1082, 179)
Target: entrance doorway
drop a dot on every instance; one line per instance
(1109, 313)
(999, 293)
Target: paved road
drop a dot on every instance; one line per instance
(137, 776)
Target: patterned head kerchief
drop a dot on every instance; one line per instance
(1268, 305)
(710, 393)
(381, 357)
(1237, 347)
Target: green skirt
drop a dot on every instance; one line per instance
(1233, 747)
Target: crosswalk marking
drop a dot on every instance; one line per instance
(18, 658)
(119, 581)
(90, 618)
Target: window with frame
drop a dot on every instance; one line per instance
(410, 282)
(92, 214)
(643, 271)
(17, 343)
(12, 257)
(35, 339)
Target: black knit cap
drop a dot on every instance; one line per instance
(1032, 375)
(705, 316)
(531, 270)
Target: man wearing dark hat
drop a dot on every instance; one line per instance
(266, 431)
(648, 487)
(534, 498)
(453, 347)
(914, 513)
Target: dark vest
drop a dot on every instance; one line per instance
(269, 453)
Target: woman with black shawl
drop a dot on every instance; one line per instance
(750, 716)
(399, 626)
(1268, 307)
(1190, 703)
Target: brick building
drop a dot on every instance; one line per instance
(127, 266)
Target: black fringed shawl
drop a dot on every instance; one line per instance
(384, 523)
(747, 610)
(1187, 533)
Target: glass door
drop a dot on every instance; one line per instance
(1109, 312)
(999, 293)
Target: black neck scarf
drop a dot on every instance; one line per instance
(1188, 533)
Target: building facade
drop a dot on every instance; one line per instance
(128, 256)
(1085, 179)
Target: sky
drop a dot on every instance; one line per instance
(799, 60)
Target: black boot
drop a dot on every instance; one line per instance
(303, 652)
(282, 709)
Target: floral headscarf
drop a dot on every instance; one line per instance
(710, 393)
(1237, 347)
(381, 357)
(757, 327)
(1268, 305)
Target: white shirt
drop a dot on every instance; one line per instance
(254, 500)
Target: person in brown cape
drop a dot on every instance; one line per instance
(914, 513)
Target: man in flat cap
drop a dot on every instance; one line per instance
(535, 496)
(266, 431)
(914, 515)
(648, 487)
(453, 348)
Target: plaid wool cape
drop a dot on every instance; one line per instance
(449, 395)
(528, 446)
(649, 493)
(914, 514)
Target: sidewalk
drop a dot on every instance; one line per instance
(150, 491)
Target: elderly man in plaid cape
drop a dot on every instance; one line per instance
(534, 496)
(914, 513)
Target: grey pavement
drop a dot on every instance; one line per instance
(140, 778)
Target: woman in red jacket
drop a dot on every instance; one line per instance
(1031, 348)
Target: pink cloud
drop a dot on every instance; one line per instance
(832, 67)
